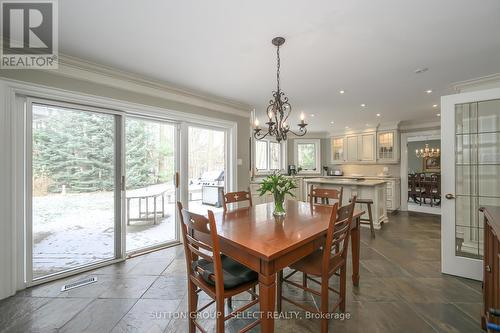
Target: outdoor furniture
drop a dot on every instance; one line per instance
(147, 194)
(244, 235)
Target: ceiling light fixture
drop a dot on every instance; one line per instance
(342, 91)
(363, 105)
(279, 109)
(427, 152)
(435, 106)
(312, 115)
(331, 122)
(429, 91)
(438, 115)
(378, 114)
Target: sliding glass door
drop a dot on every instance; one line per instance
(206, 168)
(151, 183)
(74, 194)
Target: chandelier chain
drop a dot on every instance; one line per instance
(278, 67)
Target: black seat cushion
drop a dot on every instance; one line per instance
(235, 274)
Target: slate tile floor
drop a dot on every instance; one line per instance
(401, 290)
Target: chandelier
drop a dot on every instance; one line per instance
(427, 152)
(279, 109)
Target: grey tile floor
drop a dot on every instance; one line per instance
(401, 290)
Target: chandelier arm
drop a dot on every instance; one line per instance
(302, 132)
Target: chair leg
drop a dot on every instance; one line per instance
(343, 282)
(220, 314)
(370, 216)
(279, 289)
(304, 280)
(192, 305)
(324, 304)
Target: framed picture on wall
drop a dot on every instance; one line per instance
(432, 164)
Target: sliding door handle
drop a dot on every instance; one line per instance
(449, 196)
(176, 180)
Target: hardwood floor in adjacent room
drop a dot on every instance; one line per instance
(401, 290)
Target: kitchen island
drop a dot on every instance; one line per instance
(363, 189)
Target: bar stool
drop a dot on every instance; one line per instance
(369, 220)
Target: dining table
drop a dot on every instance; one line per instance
(257, 239)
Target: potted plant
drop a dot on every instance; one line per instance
(279, 186)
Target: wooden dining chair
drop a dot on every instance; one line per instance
(219, 276)
(324, 263)
(232, 197)
(326, 196)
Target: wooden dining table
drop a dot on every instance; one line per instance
(253, 237)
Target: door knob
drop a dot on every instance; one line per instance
(449, 196)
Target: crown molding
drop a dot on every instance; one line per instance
(77, 68)
(466, 85)
(411, 126)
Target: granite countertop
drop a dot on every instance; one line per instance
(344, 181)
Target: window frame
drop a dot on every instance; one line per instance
(283, 157)
(317, 153)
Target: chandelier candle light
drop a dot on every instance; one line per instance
(279, 109)
(427, 152)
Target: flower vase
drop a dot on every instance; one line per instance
(279, 200)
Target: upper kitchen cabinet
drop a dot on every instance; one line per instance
(366, 147)
(338, 149)
(387, 146)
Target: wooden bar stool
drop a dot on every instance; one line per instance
(369, 220)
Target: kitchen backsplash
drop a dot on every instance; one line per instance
(368, 170)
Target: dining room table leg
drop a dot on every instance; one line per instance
(355, 246)
(267, 298)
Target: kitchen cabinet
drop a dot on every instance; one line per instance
(338, 149)
(387, 147)
(352, 148)
(360, 148)
(365, 148)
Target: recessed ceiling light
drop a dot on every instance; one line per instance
(331, 122)
(429, 91)
(421, 70)
(312, 114)
(378, 114)
(341, 91)
(438, 115)
(347, 127)
(435, 106)
(363, 105)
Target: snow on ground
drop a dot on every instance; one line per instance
(76, 229)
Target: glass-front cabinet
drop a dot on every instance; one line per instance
(387, 146)
(338, 149)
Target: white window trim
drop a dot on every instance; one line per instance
(283, 161)
(317, 143)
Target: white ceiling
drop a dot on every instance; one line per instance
(368, 48)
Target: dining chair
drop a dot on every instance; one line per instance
(232, 197)
(325, 195)
(325, 262)
(219, 276)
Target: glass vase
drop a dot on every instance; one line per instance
(279, 209)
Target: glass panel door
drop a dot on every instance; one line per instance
(470, 157)
(206, 168)
(151, 194)
(477, 171)
(73, 187)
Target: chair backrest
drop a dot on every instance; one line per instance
(337, 236)
(232, 197)
(200, 241)
(325, 195)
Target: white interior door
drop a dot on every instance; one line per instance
(470, 133)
